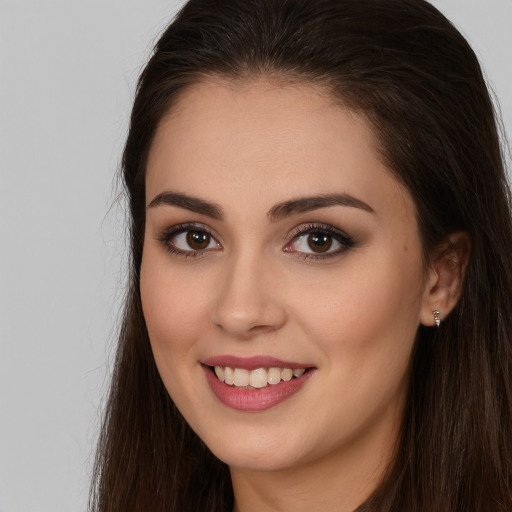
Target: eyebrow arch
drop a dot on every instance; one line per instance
(187, 202)
(306, 204)
(277, 212)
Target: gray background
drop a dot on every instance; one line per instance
(67, 74)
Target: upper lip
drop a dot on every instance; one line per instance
(252, 363)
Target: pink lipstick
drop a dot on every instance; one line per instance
(231, 384)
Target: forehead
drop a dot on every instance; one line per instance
(274, 139)
(244, 118)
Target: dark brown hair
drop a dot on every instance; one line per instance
(403, 66)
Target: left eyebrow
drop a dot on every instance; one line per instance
(306, 204)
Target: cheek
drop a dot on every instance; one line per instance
(364, 328)
(365, 319)
(172, 306)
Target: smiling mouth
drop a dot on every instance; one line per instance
(258, 378)
(255, 384)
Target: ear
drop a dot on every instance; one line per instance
(443, 284)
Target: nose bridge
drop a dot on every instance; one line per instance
(247, 301)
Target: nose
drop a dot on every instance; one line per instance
(248, 300)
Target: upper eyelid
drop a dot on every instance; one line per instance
(295, 231)
(188, 226)
(311, 227)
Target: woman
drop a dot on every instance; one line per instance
(319, 311)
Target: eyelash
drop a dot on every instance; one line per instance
(346, 241)
(167, 235)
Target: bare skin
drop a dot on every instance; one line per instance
(349, 307)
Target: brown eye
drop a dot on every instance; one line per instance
(198, 240)
(316, 242)
(319, 242)
(190, 241)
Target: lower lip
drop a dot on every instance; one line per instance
(243, 399)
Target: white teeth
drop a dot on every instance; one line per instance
(219, 371)
(274, 376)
(258, 378)
(287, 374)
(240, 377)
(228, 376)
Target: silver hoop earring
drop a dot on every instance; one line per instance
(437, 319)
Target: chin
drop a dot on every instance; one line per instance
(256, 460)
(257, 451)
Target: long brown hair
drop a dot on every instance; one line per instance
(402, 65)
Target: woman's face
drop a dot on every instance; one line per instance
(276, 240)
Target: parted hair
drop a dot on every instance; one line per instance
(404, 67)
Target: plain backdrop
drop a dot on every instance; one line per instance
(68, 70)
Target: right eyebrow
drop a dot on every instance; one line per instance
(194, 204)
